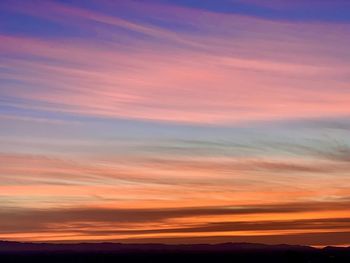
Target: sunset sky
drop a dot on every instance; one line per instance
(175, 121)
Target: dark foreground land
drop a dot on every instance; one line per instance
(112, 252)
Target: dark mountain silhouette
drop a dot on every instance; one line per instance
(117, 252)
(7, 246)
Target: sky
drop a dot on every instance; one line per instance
(173, 121)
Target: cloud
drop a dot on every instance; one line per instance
(236, 77)
(310, 225)
(227, 116)
(162, 222)
(152, 179)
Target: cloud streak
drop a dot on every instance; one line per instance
(138, 223)
(122, 83)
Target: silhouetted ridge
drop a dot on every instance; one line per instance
(119, 247)
(153, 253)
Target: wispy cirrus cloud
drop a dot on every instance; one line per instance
(221, 71)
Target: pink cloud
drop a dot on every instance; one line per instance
(259, 70)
